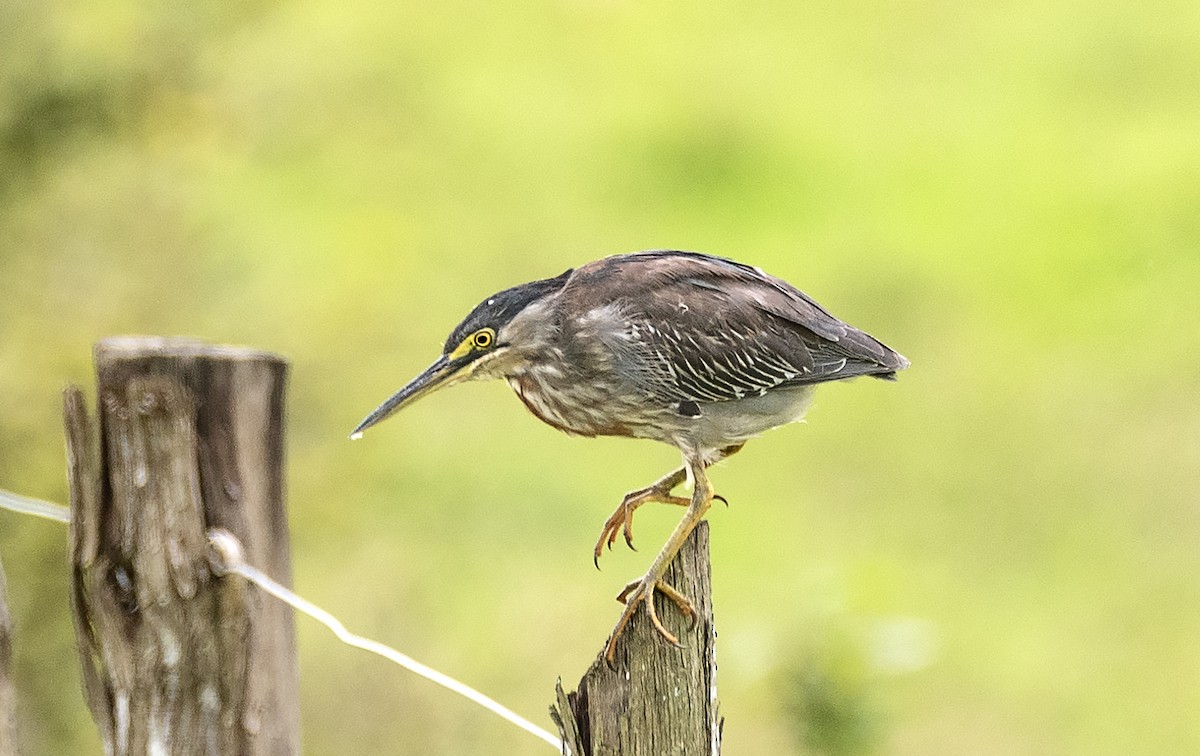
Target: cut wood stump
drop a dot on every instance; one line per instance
(188, 436)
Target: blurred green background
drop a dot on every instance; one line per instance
(999, 554)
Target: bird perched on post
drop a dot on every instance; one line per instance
(699, 352)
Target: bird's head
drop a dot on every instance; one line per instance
(494, 340)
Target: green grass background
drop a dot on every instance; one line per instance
(1000, 554)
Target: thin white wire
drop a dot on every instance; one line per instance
(35, 507)
(229, 559)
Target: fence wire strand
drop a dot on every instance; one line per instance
(35, 507)
(227, 557)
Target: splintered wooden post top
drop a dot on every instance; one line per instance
(655, 699)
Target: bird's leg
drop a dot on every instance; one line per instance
(641, 591)
(621, 520)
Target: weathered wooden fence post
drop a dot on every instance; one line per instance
(175, 660)
(8, 702)
(656, 700)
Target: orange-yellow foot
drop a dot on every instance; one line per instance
(621, 520)
(642, 592)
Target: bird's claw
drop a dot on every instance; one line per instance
(621, 520)
(642, 592)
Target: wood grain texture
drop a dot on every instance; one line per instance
(656, 700)
(8, 698)
(188, 437)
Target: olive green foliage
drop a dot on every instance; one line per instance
(1004, 542)
(832, 692)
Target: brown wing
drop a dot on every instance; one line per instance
(709, 329)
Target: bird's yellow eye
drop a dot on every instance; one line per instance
(483, 338)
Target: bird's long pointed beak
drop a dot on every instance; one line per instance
(443, 372)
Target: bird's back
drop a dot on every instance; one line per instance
(711, 329)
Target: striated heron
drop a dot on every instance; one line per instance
(699, 352)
